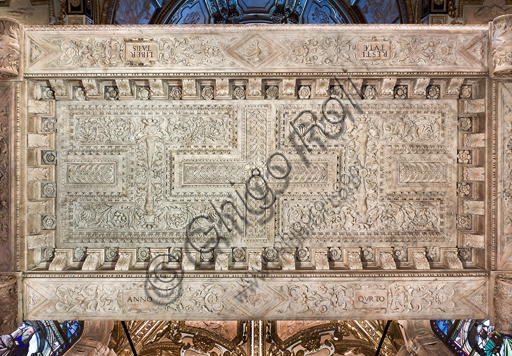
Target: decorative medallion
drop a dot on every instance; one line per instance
(272, 92)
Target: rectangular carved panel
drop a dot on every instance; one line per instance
(228, 49)
(340, 297)
(7, 120)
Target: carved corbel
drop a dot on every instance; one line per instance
(388, 88)
(352, 258)
(127, 259)
(384, 258)
(222, 88)
(475, 241)
(61, 88)
(288, 90)
(321, 88)
(418, 258)
(10, 47)
(450, 258)
(94, 260)
(190, 260)
(61, 260)
(288, 260)
(255, 260)
(91, 88)
(420, 88)
(222, 260)
(156, 88)
(501, 47)
(190, 89)
(320, 259)
(125, 89)
(353, 86)
(453, 88)
(254, 88)
(503, 303)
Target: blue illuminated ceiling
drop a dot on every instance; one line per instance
(258, 11)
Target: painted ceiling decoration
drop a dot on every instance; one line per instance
(238, 338)
(255, 11)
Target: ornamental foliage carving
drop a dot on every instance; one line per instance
(10, 48)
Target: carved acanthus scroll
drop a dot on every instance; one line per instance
(10, 47)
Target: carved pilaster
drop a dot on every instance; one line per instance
(503, 303)
(501, 46)
(8, 304)
(7, 118)
(10, 47)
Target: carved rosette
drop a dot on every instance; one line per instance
(10, 47)
(501, 46)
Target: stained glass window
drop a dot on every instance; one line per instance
(51, 338)
(473, 337)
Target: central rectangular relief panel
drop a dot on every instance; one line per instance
(133, 174)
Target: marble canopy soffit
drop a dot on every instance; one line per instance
(126, 134)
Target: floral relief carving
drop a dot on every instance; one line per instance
(89, 52)
(10, 50)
